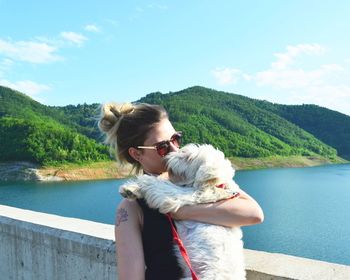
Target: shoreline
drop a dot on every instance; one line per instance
(283, 162)
(24, 171)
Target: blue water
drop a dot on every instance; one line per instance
(306, 209)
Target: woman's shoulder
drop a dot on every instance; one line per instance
(133, 208)
(128, 203)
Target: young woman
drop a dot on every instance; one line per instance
(142, 135)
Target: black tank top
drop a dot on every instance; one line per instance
(158, 243)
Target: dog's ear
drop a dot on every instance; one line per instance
(207, 175)
(174, 177)
(180, 164)
(213, 173)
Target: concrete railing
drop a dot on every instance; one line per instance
(38, 246)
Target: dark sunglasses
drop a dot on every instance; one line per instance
(163, 147)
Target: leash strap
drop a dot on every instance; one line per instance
(182, 248)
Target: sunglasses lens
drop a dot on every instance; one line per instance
(163, 149)
(176, 139)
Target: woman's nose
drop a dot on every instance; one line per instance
(173, 147)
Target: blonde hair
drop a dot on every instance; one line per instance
(128, 125)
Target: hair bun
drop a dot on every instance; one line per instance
(112, 114)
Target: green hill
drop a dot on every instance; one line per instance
(331, 127)
(80, 118)
(238, 125)
(34, 132)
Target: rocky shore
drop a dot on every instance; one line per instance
(94, 171)
(25, 171)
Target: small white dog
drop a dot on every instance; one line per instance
(197, 174)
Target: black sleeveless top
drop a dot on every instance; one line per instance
(158, 243)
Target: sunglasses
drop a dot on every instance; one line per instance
(163, 147)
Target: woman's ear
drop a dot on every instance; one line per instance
(134, 153)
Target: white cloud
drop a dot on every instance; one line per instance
(295, 78)
(287, 58)
(29, 51)
(283, 75)
(5, 65)
(158, 6)
(335, 97)
(291, 79)
(247, 77)
(139, 9)
(227, 76)
(326, 85)
(28, 87)
(73, 37)
(92, 28)
(113, 22)
(6, 62)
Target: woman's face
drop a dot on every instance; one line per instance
(149, 159)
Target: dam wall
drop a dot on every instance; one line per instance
(37, 246)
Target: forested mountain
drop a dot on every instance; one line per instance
(83, 117)
(331, 127)
(80, 118)
(34, 132)
(238, 125)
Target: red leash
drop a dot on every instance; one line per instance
(182, 248)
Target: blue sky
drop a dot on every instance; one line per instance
(68, 52)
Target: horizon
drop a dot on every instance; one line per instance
(132, 101)
(68, 53)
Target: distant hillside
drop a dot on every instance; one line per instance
(238, 125)
(83, 117)
(331, 127)
(34, 132)
(80, 118)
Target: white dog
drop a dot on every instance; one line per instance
(197, 174)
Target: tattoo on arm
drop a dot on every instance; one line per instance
(122, 216)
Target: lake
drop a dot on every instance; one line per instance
(306, 209)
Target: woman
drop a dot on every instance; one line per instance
(142, 135)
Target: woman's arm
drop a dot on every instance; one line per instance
(240, 211)
(130, 258)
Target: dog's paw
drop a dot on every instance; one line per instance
(130, 191)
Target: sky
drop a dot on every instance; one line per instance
(63, 52)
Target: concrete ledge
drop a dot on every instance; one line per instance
(266, 266)
(38, 246)
(84, 227)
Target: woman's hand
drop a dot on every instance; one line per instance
(240, 211)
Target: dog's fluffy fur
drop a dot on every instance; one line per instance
(195, 171)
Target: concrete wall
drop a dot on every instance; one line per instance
(265, 266)
(38, 246)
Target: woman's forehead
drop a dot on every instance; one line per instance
(161, 131)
